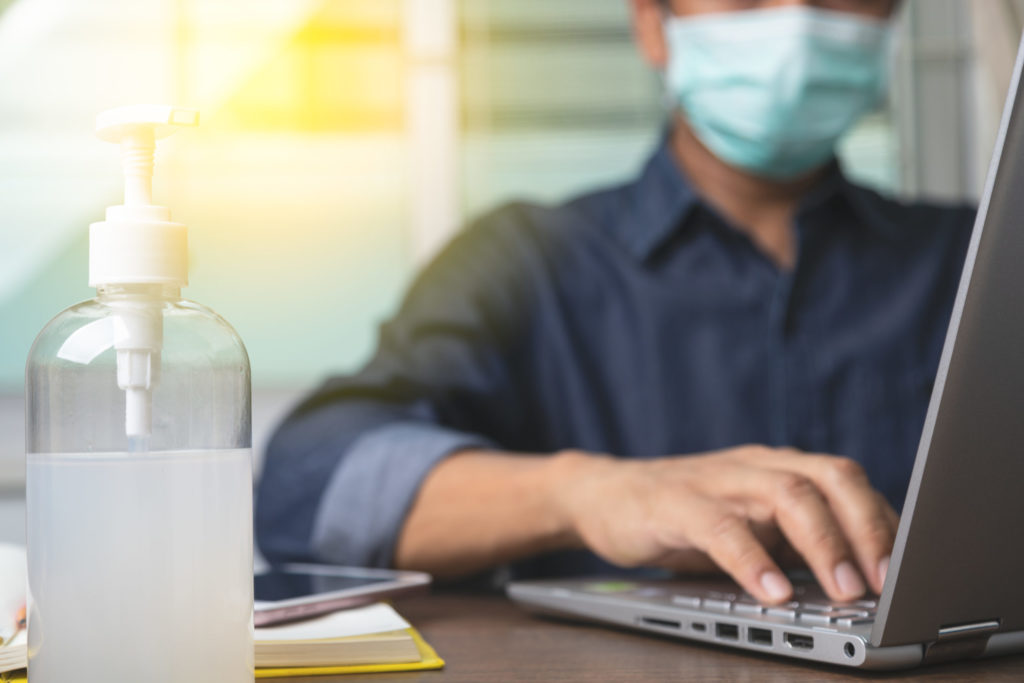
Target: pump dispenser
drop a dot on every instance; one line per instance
(139, 476)
(138, 243)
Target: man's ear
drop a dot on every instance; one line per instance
(647, 30)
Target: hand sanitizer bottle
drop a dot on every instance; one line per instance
(139, 475)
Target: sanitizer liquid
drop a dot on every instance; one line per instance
(141, 566)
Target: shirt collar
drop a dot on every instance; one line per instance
(873, 211)
(658, 203)
(661, 200)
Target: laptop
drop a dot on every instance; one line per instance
(955, 585)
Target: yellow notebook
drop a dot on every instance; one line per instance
(428, 660)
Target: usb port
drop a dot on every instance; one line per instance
(661, 623)
(798, 642)
(759, 636)
(727, 631)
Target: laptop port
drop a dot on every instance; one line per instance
(727, 631)
(759, 636)
(798, 641)
(699, 627)
(660, 623)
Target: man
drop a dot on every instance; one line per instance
(664, 374)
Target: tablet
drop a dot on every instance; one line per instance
(296, 591)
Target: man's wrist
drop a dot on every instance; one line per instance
(568, 472)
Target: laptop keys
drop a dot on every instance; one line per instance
(816, 612)
(716, 595)
(817, 607)
(686, 600)
(748, 608)
(816, 618)
(716, 604)
(781, 612)
(841, 617)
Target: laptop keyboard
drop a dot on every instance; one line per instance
(811, 612)
(811, 606)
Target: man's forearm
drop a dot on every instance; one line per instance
(479, 509)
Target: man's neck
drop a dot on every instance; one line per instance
(760, 207)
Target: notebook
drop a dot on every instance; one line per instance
(14, 655)
(374, 634)
(372, 638)
(428, 660)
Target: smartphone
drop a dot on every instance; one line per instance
(297, 591)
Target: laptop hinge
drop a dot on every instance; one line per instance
(960, 641)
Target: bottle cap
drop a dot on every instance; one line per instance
(138, 243)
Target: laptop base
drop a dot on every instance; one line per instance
(655, 606)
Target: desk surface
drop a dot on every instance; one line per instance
(486, 638)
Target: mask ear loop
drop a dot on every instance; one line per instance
(897, 69)
(668, 103)
(895, 42)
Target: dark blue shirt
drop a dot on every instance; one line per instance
(634, 321)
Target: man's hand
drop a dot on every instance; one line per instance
(733, 508)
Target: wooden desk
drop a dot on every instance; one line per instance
(487, 638)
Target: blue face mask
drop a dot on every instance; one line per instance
(772, 90)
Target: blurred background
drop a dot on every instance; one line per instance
(342, 142)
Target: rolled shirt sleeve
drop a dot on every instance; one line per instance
(376, 483)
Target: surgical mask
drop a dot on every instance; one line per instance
(772, 91)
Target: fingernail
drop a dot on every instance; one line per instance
(849, 580)
(883, 568)
(775, 585)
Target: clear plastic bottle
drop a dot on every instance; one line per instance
(139, 487)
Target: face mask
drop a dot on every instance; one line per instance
(771, 91)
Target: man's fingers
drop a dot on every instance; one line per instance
(691, 561)
(864, 516)
(728, 540)
(862, 513)
(804, 516)
(894, 519)
(894, 524)
(720, 504)
(807, 520)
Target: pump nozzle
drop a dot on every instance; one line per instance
(137, 128)
(139, 245)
